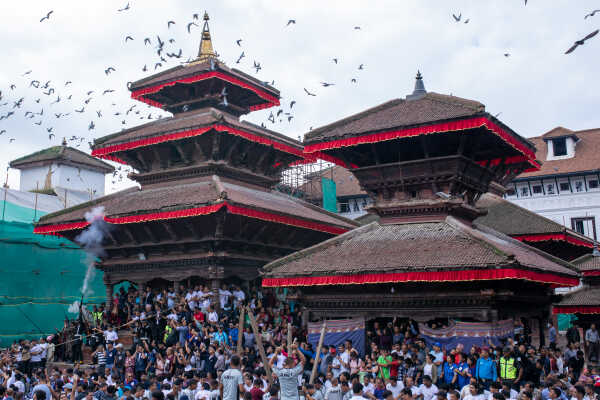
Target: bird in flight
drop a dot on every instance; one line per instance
(292, 103)
(506, 54)
(291, 21)
(145, 68)
(109, 70)
(353, 80)
(257, 66)
(239, 42)
(591, 14)
(47, 16)
(27, 73)
(335, 60)
(240, 57)
(309, 93)
(99, 113)
(68, 83)
(80, 111)
(169, 23)
(128, 38)
(361, 66)
(467, 21)
(357, 28)
(189, 26)
(582, 41)
(326, 84)
(124, 8)
(147, 41)
(91, 126)
(107, 91)
(290, 118)
(157, 65)
(49, 129)
(457, 19)
(50, 136)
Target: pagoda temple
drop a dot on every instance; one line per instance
(205, 209)
(425, 160)
(584, 302)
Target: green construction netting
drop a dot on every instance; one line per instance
(15, 212)
(41, 277)
(565, 321)
(329, 194)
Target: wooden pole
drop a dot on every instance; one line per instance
(240, 331)
(313, 374)
(289, 339)
(261, 349)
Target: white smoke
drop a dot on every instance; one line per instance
(91, 240)
(74, 308)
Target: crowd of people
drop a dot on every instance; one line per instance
(183, 345)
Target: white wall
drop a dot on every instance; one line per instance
(31, 177)
(562, 206)
(63, 176)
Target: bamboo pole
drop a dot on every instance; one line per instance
(313, 374)
(289, 339)
(261, 349)
(240, 331)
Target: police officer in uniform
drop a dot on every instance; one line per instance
(508, 367)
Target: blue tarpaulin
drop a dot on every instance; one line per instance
(337, 332)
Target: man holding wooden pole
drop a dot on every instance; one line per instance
(288, 375)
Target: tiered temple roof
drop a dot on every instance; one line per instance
(426, 161)
(205, 207)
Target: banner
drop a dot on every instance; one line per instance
(468, 333)
(329, 194)
(337, 332)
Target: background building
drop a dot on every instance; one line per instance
(42, 275)
(566, 189)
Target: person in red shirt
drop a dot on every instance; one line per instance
(393, 366)
(256, 392)
(199, 316)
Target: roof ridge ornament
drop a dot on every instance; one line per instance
(206, 51)
(419, 90)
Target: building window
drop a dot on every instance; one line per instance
(356, 206)
(565, 187)
(593, 184)
(579, 186)
(560, 146)
(585, 226)
(550, 189)
(344, 208)
(510, 192)
(537, 189)
(524, 191)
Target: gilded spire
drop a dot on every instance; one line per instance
(206, 51)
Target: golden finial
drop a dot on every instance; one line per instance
(206, 51)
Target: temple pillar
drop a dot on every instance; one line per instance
(109, 293)
(215, 277)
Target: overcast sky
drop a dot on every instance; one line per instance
(535, 89)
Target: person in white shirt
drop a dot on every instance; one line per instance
(111, 335)
(410, 386)
(427, 390)
(224, 295)
(395, 387)
(239, 295)
(335, 391)
(203, 393)
(357, 392)
(213, 317)
(474, 393)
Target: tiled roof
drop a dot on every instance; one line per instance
(587, 156)
(345, 183)
(182, 71)
(585, 296)
(512, 220)
(175, 196)
(187, 121)
(398, 113)
(446, 245)
(587, 262)
(557, 132)
(65, 154)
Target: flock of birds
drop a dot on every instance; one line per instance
(52, 101)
